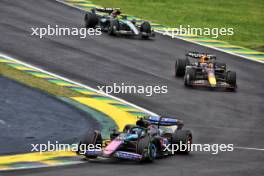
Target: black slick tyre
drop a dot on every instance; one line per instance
(91, 20)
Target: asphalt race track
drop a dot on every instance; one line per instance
(213, 116)
(29, 116)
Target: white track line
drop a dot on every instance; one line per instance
(81, 85)
(249, 148)
(218, 49)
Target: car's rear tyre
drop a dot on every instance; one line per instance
(147, 149)
(189, 77)
(91, 20)
(146, 28)
(113, 27)
(90, 137)
(182, 137)
(231, 79)
(180, 66)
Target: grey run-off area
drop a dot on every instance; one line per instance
(29, 116)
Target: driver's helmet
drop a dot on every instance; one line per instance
(133, 133)
(203, 59)
(135, 130)
(115, 13)
(143, 123)
(211, 65)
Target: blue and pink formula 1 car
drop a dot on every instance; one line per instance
(152, 137)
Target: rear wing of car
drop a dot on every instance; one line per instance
(104, 10)
(164, 121)
(197, 55)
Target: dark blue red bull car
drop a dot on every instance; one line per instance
(150, 138)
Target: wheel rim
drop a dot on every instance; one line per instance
(187, 79)
(152, 151)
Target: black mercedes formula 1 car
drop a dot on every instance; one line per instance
(202, 69)
(150, 138)
(110, 20)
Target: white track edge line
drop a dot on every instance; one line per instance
(249, 148)
(218, 49)
(81, 85)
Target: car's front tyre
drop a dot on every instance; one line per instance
(145, 27)
(91, 20)
(147, 149)
(182, 137)
(231, 80)
(90, 137)
(180, 66)
(189, 77)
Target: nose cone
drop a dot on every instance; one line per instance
(112, 147)
(212, 80)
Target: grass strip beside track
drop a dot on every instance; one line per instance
(168, 31)
(246, 17)
(35, 82)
